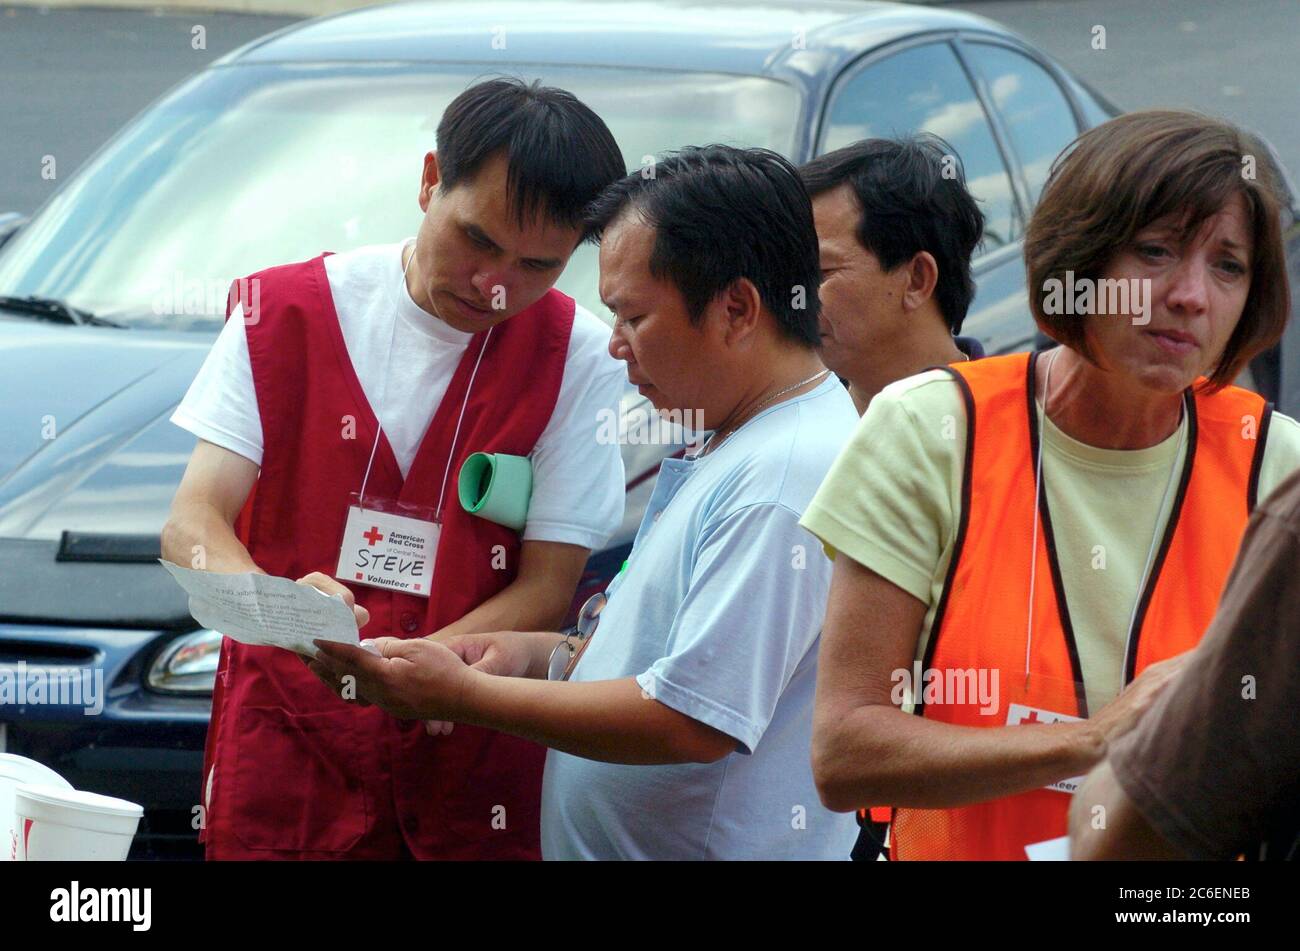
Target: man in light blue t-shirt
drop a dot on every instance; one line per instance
(683, 730)
(718, 616)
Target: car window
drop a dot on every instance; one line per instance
(247, 167)
(1032, 106)
(925, 89)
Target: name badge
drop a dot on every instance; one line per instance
(386, 550)
(1020, 715)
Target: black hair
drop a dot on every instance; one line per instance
(559, 153)
(912, 192)
(722, 213)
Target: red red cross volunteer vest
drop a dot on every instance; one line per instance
(295, 771)
(980, 622)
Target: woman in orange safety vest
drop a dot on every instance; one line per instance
(1027, 544)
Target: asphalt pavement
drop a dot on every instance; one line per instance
(69, 78)
(1238, 59)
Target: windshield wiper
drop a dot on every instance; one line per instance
(48, 308)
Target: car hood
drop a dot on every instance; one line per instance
(85, 442)
(89, 462)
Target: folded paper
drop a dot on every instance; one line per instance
(266, 611)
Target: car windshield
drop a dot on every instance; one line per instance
(245, 167)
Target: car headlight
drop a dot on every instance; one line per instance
(187, 665)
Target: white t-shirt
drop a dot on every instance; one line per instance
(578, 480)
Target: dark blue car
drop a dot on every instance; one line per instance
(311, 139)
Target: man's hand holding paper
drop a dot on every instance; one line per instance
(415, 679)
(267, 611)
(329, 586)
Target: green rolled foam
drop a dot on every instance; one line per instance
(496, 487)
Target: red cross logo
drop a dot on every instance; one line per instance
(373, 535)
(1031, 718)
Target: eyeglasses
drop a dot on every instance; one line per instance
(566, 655)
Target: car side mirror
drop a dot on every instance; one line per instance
(10, 222)
(1291, 198)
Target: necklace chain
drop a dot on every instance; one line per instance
(708, 446)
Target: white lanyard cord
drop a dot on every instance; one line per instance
(1038, 489)
(451, 453)
(383, 392)
(1038, 482)
(383, 388)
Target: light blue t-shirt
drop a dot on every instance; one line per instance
(718, 615)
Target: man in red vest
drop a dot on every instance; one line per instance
(334, 414)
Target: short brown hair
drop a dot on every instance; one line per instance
(1121, 176)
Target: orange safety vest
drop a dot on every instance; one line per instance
(980, 621)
